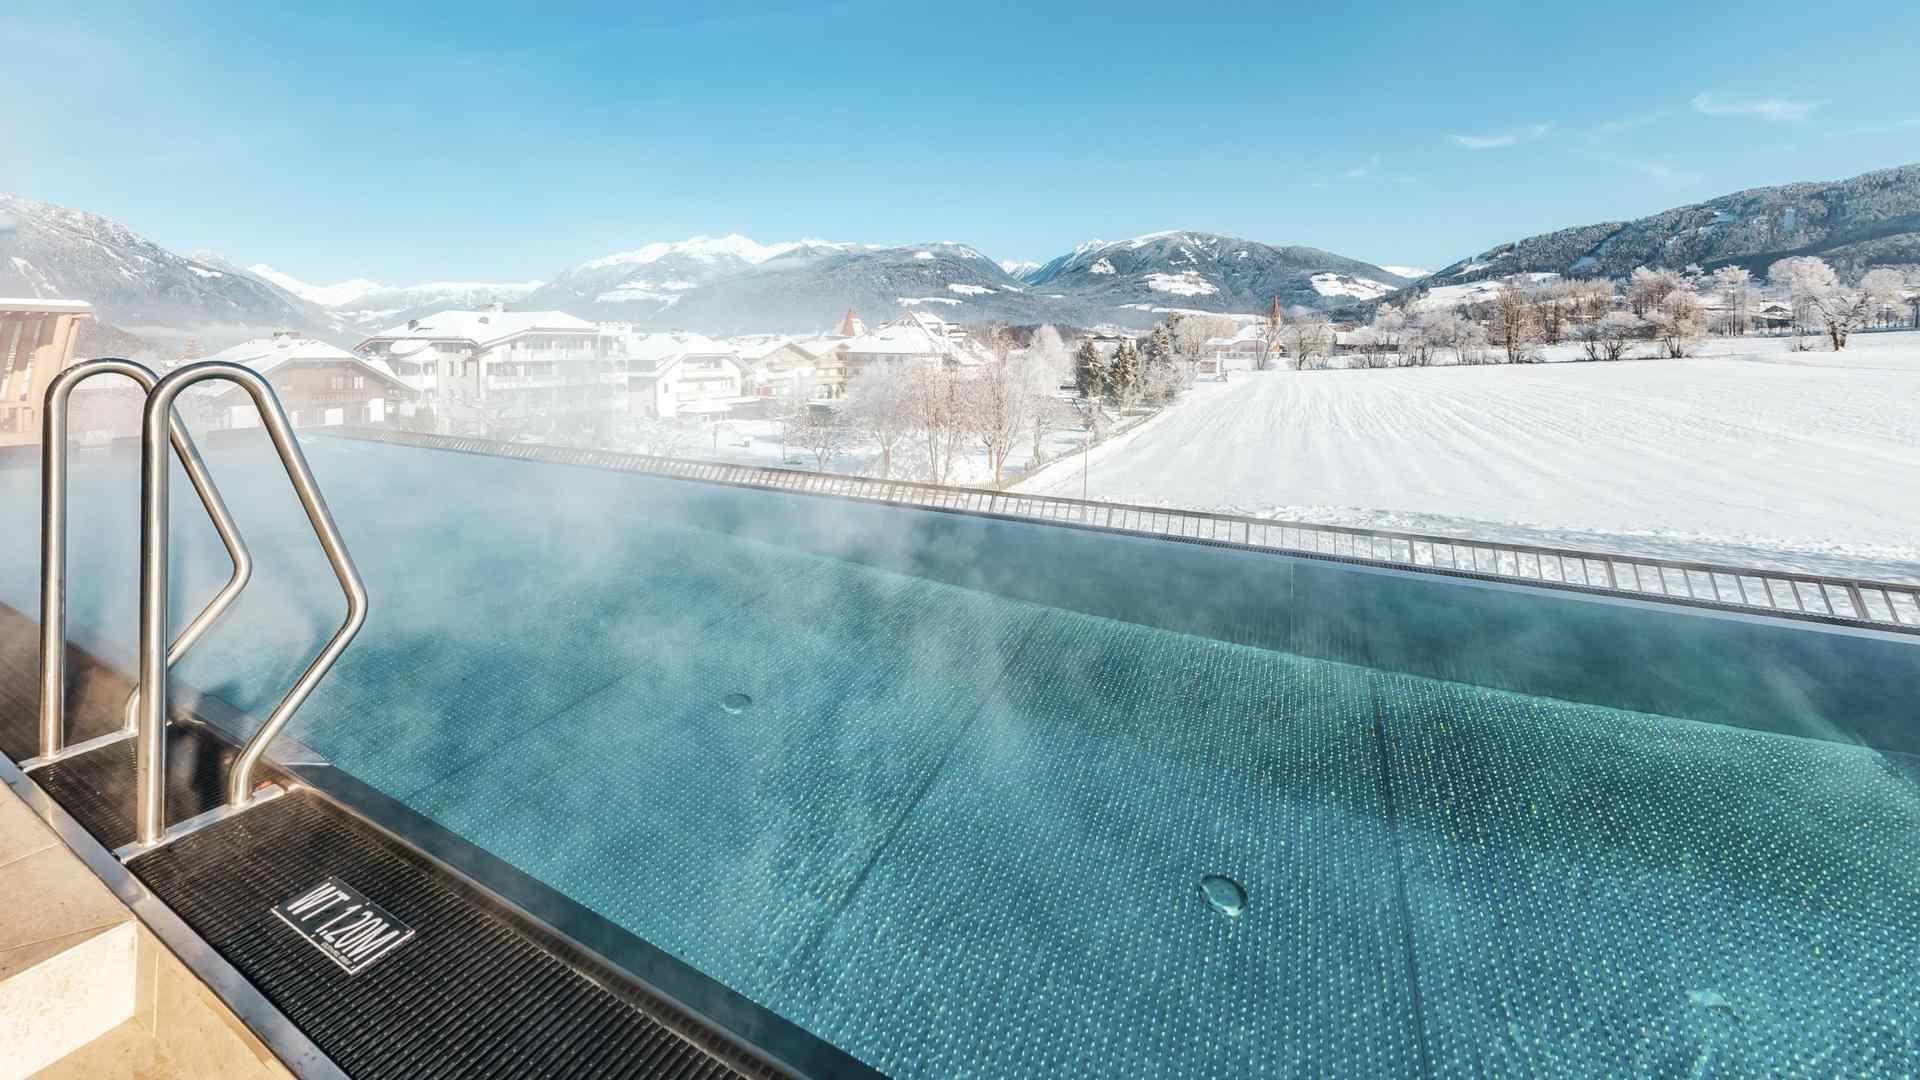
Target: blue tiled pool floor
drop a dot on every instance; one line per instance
(961, 835)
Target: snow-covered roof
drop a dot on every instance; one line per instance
(902, 337)
(484, 328)
(267, 355)
(650, 353)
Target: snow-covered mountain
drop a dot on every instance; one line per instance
(1869, 220)
(732, 285)
(361, 305)
(1204, 271)
(134, 283)
(1019, 268)
(650, 280)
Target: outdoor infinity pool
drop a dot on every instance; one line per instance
(942, 790)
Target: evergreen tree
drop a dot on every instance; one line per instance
(1125, 380)
(1159, 348)
(1089, 371)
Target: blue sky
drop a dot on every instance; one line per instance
(508, 141)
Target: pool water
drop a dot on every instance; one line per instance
(961, 833)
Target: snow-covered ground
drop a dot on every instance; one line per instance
(1750, 454)
(761, 442)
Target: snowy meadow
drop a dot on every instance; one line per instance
(1748, 453)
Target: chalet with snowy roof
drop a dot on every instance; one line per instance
(680, 374)
(320, 385)
(902, 342)
(317, 383)
(783, 367)
(476, 356)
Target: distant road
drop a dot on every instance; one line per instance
(1810, 460)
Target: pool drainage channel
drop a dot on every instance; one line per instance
(352, 947)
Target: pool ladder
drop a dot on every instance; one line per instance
(146, 709)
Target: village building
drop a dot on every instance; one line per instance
(470, 357)
(673, 374)
(319, 385)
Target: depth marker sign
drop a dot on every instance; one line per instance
(350, 929)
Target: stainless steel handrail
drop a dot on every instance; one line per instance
(1880, 605)
(150, 747)
(53, 551)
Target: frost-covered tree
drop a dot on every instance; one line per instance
(1049, 367)
(1126, 380)
(1734, 284)
(1678, 322)
(1161, 375)
(1437, 330)
(1389, 328)
(1820, 298)
(1886, 289)
(1646, 288)
(997, 400)
(880, 406)
(1617, 331)
(1090, 371)
(1159, 346)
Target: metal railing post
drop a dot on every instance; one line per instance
(150, 767)
(53, 548)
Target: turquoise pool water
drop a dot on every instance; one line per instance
(960, 833)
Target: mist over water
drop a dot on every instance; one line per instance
(981, 766)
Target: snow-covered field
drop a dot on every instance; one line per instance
(1750, 454)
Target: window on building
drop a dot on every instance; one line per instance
(359, 382)
(338, 382)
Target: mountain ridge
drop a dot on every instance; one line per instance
(1872, 219)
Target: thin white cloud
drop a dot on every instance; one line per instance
(1504, 138)
(1612, 129)
(1363, 172)
(1707, 103)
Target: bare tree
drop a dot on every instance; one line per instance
(1515, 324)
(1192, 332)
(1306, 338)
(1271, 329)
(939, 415)
(820, 431)
(996, 401)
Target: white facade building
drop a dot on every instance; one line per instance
(680, 374)
(478, 356)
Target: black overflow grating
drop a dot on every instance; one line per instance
(97, 787)
(471, 996)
